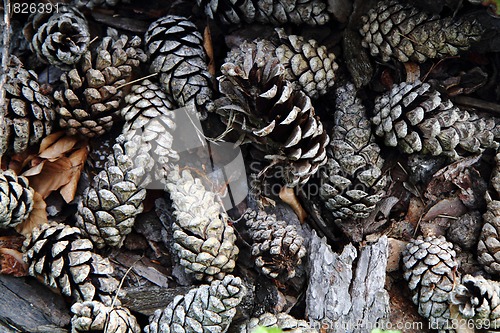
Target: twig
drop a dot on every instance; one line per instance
(477, 103)
(137, 80)
(5, 64)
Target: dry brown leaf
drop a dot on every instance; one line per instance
(12, 242)
(288, 196)
(77, 159)
(412, 72)
(12, 263)
(49, 140)
(207, 44)
(34, 170)
(53, 176)
(59, 148)
(37, 217)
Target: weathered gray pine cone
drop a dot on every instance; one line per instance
(488, 247)
(312, 12)
(97, 3)
(148, 112)
(64, 260)
(495, 176)
(175, 47)
(92, 91)
(309, 65)
(107, 211)
(206, 309)
(29, 114)
(277, 247)
(262, 105)
(402, 32)
(94, 316)
(59, 38)
(352, 181)
(479, 299)
(16, 199)
(415, 118)
(282, 320)
(430, 268)
(203, 239)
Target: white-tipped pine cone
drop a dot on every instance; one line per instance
(312, 12)
(94, 316)
(29, 114)
(415, 118)
(63, 260)
(281, 320)
(206, 309)
(60, 37)
(107, 211)
(93, 91)
(16, 199)
(430, 268)
(352, 180)
(277, 247)
(402, 32)
(175, 47)
(479, 299)
(262, 105)
(203, 239)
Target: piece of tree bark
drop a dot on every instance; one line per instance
(28, 306)
(345, 295)
(146, 300)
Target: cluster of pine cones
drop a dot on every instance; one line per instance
(288, 101)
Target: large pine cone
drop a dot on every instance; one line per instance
(415, 118)
(110, 204)
(478, 299)
(430, 267)
(488, 247)
(92, 92)
(312, 12)
(29, 114)
(203, 239)
(263, 106)
(59, 38)
(282, 320)
(352, 183)
(94, 316)
(206, 309)
(16, 199)
(175, 48)
(65, 261)
(278, 247)
(403, 32)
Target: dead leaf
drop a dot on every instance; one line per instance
(53, 176)
(12, 242)
(37, 217)
(396, 248)
(412, 72)
(59, 148)
(288, 196)
(77, 159)
(49, 140)
(207, 44)
(12, 263)
(34, 170)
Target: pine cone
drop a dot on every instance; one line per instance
(488, 247)
(57, 254)
(430, 268)
(92, 92)
(414, 117)
(278, 247)
(175, 48)
(495, 177)
(90, 4)
(110, 204)
(262, 105)
(478, 299)
(149, 113)
(403, 32)
(203, 239)
(312, 12)
(352, 183)
(59, 38)
(16, 199)
(93, 316)
(207, 309)
(282, 320)
(29, 114)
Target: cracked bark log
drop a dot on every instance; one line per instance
(346, 291)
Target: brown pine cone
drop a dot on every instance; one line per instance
(60, 37)
(16, 199)
(415, 118)
(92, 92)
(402, 32)
(262, 105)
(94, 316)
(277, 247)
(63, 260)
(29, 114)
